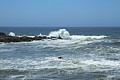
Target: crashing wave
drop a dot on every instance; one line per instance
(11, 34)
(61, 33)
(64, 34)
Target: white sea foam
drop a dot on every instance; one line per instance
(6, 50)
(62, 33)
(41, 34)
(16, 76)
(68, 42)
(65, 35)
(11, 34)
(82, 37)
(54, 62)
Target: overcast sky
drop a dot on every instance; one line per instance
(59, 13)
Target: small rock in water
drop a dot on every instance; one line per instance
(60, 57)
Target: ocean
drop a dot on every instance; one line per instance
(83, 53)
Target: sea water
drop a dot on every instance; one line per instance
(89, 53)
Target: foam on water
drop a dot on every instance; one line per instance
(82, 37)
(41, 35)
(81, 53)
(68, 65)
(6, 50)
(65, 35)
(68, 40)
(54, 62)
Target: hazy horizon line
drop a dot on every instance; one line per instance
(60, 26)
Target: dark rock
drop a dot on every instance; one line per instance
(59, 37)
(55, 37)
(2, 34)
(2, 39)
(60, 57)
(7, 38)
(25, 38)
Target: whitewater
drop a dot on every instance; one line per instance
(83, 57)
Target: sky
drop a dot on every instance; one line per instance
(59, 13)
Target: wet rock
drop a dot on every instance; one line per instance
(60, 57)
(7, 38)
(2, 34)
(25, 38)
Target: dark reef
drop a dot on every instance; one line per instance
(7, 38)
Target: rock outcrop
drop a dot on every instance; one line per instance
(2, 34)
(7, 38)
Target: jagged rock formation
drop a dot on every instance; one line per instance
(7, 38)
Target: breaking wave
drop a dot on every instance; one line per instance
(91, 56)
(11, 34)
(64, 34)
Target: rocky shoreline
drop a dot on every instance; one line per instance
(8, 38)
